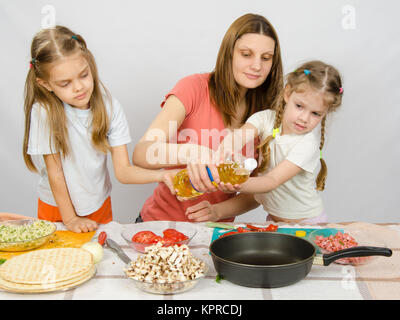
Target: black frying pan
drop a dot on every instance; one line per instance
(271, 260)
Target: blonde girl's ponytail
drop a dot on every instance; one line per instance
(29, 101)
(323, 172)
(56, 118)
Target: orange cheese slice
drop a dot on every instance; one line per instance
(60, 239)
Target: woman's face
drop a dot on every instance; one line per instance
(252, 59)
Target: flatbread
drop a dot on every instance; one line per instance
(47, 266)
(42, 288)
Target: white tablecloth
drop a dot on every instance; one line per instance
(331, 282)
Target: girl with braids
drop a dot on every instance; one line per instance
(71, 122)
(292, 170)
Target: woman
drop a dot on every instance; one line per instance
(247, 78)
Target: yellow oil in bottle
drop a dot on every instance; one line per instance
(230, 172)
(183, 186)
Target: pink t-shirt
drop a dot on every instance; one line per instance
(202, 125)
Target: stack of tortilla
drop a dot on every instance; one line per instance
(47, 270)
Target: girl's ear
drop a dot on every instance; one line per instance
(286, 93)
(44, 84)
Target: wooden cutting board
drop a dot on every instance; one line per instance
(60, 239)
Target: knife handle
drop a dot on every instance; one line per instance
(102, 238)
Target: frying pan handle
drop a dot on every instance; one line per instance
(362, 251)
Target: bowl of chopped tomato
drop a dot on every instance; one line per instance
(169, 233)
(330, 240)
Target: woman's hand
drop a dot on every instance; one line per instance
(202, 211)
(202, 157)
(80, 224)
(199, 178)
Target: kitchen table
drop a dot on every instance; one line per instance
(380, 279)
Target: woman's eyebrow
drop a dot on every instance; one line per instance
(244, 47)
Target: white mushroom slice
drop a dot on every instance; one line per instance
(165, 265)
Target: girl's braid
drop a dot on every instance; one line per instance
(324, 170)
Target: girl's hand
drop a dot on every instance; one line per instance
(168, 179)
(80, 224)
(202, 211)
(229, 188)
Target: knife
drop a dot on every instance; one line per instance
(113, 245)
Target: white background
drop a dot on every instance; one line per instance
(143, 48)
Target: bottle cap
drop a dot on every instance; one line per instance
(250, 164)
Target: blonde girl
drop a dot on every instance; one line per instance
(71, 123)
(292, 170)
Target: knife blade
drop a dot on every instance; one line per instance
(114, 246)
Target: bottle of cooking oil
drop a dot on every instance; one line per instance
(229, 172)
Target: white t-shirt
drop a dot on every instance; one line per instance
(298, 197)
(85, 168)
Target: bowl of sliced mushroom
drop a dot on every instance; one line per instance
(166, 270)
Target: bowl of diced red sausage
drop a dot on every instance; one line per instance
(329, 240)
(141, 235)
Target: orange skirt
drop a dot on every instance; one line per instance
(51, 213)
